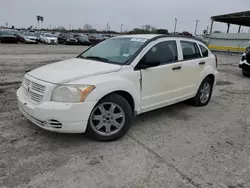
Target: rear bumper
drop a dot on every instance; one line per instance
(9, 40)
(66, 117)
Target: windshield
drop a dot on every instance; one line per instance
(6, 32)
(114, 50)
(49, 35)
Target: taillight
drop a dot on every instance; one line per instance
(216, 60)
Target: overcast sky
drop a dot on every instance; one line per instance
(130, 13)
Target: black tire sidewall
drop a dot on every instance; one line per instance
(123, 103)
(245, 73)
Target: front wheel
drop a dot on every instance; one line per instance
(204, 93)
(110, 119)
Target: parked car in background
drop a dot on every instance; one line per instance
(38, 34)
(7, 36)
(106, 36)
(83, 40)
(244, 63)
(29, 37)
(104, 87)
(95, 38)
(48, 38)
(65, 38)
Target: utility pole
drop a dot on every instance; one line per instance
(175, 24)
(121, 28)
(196, 26)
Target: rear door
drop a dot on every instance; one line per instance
(192, 66)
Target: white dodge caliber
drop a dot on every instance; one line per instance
(100, 91)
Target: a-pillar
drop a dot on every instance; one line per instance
(228, 27)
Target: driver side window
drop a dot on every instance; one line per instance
(164, 53)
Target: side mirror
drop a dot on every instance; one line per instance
(248, 56)
(146, 63)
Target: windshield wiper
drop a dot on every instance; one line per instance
(97, 58)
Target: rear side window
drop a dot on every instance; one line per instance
(204, 51)
(190, 50)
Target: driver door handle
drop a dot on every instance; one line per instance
(202, 63)
(176, 68)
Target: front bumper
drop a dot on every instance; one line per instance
(31, 41)
(55, 116)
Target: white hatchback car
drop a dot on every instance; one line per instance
(100, 91)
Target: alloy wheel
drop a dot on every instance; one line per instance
(107, 119)
(205, 92)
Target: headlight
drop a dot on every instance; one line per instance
(71, 94)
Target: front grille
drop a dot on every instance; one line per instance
(33, 90)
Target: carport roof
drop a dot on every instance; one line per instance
(239, 18)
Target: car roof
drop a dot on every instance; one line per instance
(153, 37)
(146, 36)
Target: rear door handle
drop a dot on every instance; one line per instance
(202, 63)
(176, 68)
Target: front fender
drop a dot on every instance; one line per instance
(109, 83)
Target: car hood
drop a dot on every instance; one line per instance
(31, 37)
(71, 70)
(51, 38)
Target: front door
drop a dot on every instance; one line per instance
(161, 85)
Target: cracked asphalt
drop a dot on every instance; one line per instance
(180, 146)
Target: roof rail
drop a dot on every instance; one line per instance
(182, 36)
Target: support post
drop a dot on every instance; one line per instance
(228, 27)
(211, 30)
(239, 29)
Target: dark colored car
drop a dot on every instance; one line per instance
(94, 38)
(82, 39)
(65, 38)
(7, 36)
(245, 62)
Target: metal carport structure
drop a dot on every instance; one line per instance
(239, 18)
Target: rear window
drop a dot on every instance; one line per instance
(204, 51)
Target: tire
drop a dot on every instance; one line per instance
(121, 115)
(246, 74)
(197, 100)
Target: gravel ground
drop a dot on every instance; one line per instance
(174, 147)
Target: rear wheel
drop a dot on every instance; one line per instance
(110, 119)
(246, 74)
(204, 93)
